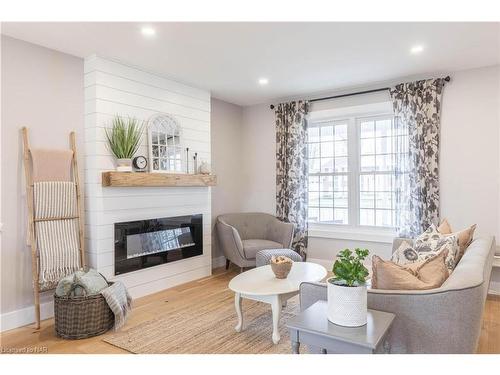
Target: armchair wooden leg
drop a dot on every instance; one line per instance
(228, 262)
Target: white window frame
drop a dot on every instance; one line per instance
(352, 231)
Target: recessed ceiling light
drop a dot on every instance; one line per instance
(417, 49)
(148, 31)
(263, 81)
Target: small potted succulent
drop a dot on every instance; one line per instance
(347, 294)
(124, 139)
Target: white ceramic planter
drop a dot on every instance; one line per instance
(124, 165)
(347, 306)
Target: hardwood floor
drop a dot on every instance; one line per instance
(145, 308)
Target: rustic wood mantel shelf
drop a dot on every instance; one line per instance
(144, 179)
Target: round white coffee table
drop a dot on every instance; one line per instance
(260, 284)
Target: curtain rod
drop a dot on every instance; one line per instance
(447, 79)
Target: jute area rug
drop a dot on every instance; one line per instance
(206, 326)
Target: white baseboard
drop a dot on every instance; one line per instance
(23, 317)
(494, 288)
(219, 262)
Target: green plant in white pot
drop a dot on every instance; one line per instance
(347, 294)
(124, 139)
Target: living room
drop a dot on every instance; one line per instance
(173, 187)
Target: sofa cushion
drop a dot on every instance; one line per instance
(465, 236)
(428, 274)
(427, 245)
(252, 246)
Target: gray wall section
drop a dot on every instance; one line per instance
(43, 90)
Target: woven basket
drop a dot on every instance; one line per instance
(82, 317)
(281, 270)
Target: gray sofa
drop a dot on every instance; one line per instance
(243, 235)
(442, 320)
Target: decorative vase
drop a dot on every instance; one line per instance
(204, 168)
(124, 165)
(347, 305)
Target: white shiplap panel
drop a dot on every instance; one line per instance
(169, 282)
(140, 75)
(139, 88)
(115, 89)
(104, 120)
(159, 105)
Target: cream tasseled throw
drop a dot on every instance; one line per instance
(57, 240)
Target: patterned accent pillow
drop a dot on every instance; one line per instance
(427, 245)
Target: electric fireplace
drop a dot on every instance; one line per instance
(147, 243)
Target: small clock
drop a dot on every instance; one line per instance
(140, 163)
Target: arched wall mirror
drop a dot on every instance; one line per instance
(165, 144)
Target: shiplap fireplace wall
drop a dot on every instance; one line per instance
(112, 88)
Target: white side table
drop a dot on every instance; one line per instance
(260, 284)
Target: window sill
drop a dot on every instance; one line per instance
(351, 233)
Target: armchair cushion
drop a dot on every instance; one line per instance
(252, 246)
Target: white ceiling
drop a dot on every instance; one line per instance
(297, 58)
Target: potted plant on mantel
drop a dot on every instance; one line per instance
(124, 139)
(347, 295)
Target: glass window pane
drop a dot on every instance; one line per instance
(384, 200)
(325, 214)
(313, 183)
(162, 139)
(154, 137)
(313, 199)
(367, 129)
(326, 133)
(313, 150)
(341, 199)
(326, 165)
(367, 182)
(367, 163)
(384, 145)
(313, 165)
(340, 216)
(367, 146)
(384, 218)
(366, 199)
(383, 182)
(313, 213)
(366, 217)
(326, 199)
(341, 132)
(326, 149)
(385, 162)
(156, 151)
(341, 148)
(383, 128)
(156, 164)
(340, 183)
(326, 183)
(341, 165)
(313, 134)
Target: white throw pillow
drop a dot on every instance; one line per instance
(427, 245)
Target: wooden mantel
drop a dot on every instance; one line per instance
(145, 179)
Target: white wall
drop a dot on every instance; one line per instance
(470, 155)
(227, 157)
(112, 88)
(43, 90)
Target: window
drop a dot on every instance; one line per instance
(351, 170)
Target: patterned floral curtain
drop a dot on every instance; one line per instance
(291, 169)
(417, 107)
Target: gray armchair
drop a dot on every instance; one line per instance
(242, 235)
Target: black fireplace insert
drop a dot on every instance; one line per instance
(147, 243)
